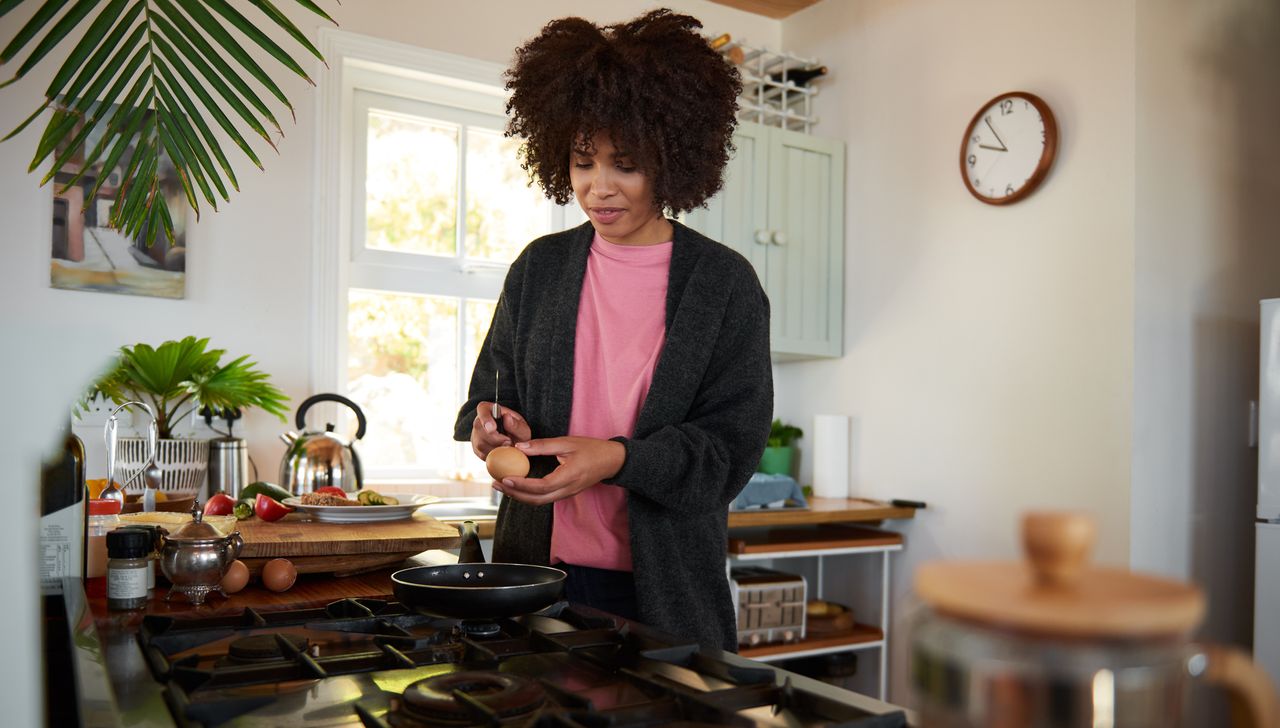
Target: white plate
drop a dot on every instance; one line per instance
(409, 503)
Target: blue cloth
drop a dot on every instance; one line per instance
(764, 489)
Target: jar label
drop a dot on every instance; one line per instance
(126, 583)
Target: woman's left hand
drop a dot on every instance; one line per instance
(584, 461)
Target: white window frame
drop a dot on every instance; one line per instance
(423, 82)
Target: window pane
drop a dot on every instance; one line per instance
(503, 212)
(402, 369)
(411, 184)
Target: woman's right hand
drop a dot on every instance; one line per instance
(486, 435)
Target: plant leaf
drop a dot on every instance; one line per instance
(316, 9)
(191, 141)
(118, 118)
(92, 39)
(29, 31)
(287, 25)
(179, 163)
(196, 63)
(194, 114)
(213, 27)
(60, 30)
(212, 108)
(199, 41)
(223, 8)
(7, 5)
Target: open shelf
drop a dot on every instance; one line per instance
(861, 634)
(760, 543)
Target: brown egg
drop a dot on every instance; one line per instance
(507, 462)
(236, 577)
(279, 574)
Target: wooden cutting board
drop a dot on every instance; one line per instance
(341, 548)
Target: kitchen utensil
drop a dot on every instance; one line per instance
(114, 489)
(196, 557)
(317, 459)
(497, 408)
(228, 465)
(409, 503)
(1057, 643)
(476, 589)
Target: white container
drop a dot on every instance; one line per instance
(831, 456)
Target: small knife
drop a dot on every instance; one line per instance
(497, 408)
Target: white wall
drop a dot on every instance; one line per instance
(249, 265)
(988, 349)
(1207, 249)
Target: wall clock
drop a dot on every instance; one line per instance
(1008, 148)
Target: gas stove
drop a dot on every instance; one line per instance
(376, 663)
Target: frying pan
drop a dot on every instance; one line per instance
(473, 589)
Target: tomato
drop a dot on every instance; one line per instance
(269, 509)
(219, 504)
(332, 490)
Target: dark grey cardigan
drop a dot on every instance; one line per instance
(699, 434)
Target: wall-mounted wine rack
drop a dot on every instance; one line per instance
(769, 96)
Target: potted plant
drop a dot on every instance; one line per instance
(175, 379)
(779, 452)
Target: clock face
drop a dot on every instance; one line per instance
(1008, 148)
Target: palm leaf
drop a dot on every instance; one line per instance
(144, 84)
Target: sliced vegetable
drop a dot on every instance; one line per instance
(269, 509)
(269, 489)
(332, 490)
(219, 504)
(374, 498)
(243, 510)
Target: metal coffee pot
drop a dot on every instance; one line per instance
(316, 459)
(196, 557)
(1058, 643)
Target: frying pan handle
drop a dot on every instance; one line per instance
(469, 551)
(301, 419)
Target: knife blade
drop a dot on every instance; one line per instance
(497, 408)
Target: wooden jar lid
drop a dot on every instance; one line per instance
(1057, 593)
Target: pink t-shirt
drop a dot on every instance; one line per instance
(621, 329)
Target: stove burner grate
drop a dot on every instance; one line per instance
(467, 697)
(264, 647)
(480, 628)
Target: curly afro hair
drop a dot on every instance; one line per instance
(652, 83)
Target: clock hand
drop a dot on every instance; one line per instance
(987, 119)
(995, 149)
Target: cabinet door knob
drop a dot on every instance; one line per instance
(779, 237)
(763, 236)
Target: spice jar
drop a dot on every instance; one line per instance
(128, 552)
(156, 534)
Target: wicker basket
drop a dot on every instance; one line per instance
(183, 464)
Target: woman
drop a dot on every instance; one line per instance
(631, 354)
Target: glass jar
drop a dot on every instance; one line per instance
(128, 552)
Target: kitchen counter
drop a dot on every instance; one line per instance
(114, 683)
(820, 511)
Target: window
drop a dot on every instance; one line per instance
(432, 207)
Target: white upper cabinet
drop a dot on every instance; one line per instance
(782, 207)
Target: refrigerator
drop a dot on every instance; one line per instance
(1266, 608)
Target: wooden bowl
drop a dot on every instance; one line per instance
(836, 618)
(172, 504)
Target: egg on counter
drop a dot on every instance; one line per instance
(279, 574)
(236, 578)
(507, 462)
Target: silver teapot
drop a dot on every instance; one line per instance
(317, 459)
(196, 557)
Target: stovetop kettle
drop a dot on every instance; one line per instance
(319, 458)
